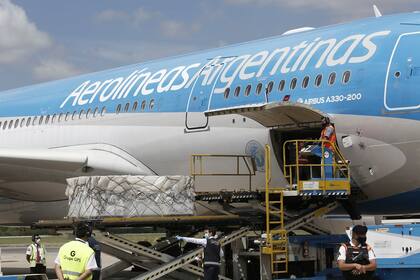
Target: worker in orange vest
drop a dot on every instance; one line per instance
(328, 133)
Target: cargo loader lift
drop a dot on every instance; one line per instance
(157, 263)
(333, 182)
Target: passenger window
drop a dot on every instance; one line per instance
(82, 112)
(34, 120)
(143, 105)
(60, 117)
(270, 87)
(22, 122)
(226, 94)
(88, 113)
(248, 90)
(152, 104)
(4, 124)
(305, 82)
(16, 123)
(237, 91)
(73, 116)
(346, 77)
(28, 122)
(10, 124)
(331, 78)
(53, 118)
(293, 83)
(118, 109)
(258, 89)
(127, 106)
(41, 118)
(103, 111)
(47, 119)
(135, 105)
(281, 85)
(318, 80)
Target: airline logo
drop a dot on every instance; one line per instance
(222, 71)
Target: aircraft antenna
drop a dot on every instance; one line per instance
(376, 11)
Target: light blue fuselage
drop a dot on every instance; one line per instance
(365, 75)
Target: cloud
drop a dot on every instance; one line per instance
(52, 68)
(135, 18)
(110, 16)
(177, 29)
(19, 37)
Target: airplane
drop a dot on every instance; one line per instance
(148, 118)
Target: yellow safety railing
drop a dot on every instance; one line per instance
(294, 168)
(244, 166)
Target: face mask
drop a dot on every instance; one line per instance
(361, 240)
(206, 235)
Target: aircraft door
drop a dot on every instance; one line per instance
(200, 97)
(402, 88)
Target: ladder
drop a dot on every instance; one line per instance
(277, 246)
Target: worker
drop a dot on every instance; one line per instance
(96, 247)
(212, 252)
(36, 256)
(356, 258)
(328, 133)
(76, 260)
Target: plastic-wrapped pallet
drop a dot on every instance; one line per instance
(130, 196)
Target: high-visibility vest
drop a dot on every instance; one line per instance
(74, 256)
(332, 138)
(32, 260)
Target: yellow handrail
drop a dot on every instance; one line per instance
(292, 168)
(248, 161)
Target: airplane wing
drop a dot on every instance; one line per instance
(40, 174)
(73, 160)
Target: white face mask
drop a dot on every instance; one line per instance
(206, 235)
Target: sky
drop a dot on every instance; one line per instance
(53, 39)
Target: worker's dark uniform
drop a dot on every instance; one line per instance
(211, 260)
(96, 274)
(358, 255)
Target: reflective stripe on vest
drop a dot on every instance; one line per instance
(74, 256)
(68, 272)
(211, 263)
(32, 260)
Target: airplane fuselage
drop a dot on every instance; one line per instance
(365, 75)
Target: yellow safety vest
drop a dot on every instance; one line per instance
(74, 256)
(32, 260)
